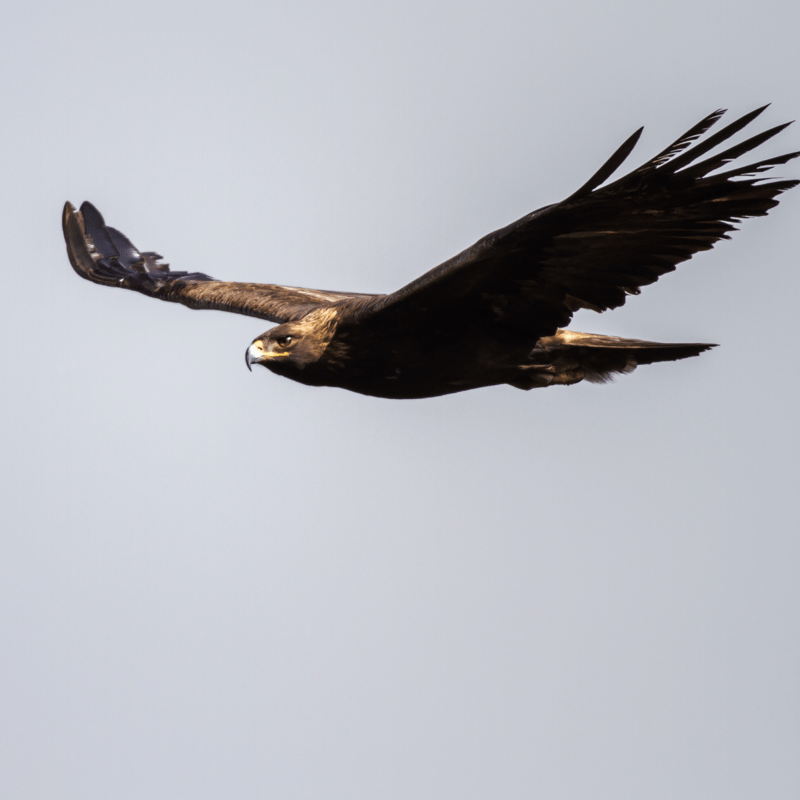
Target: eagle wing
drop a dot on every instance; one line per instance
(103, 255)
(597, 246)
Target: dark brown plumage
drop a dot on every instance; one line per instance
(494, 313)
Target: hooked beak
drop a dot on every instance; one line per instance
(254, 355)
(257, 353)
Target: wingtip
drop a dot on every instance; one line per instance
(68, 212)
(93, 219)
(90, 207)
(75, 238)
(609, 168)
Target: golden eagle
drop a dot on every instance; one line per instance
(496, 312)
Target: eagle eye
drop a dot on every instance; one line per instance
(283, 341)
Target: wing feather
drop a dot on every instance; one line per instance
(599, 245)
(103, 255)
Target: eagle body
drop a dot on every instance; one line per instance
(497, 312)
(402, 368)
(347, 355)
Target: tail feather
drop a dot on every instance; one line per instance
(570, 356)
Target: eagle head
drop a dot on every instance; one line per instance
(294, 346)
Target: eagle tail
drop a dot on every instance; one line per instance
(570, 357)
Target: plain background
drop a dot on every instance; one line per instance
(217, 584)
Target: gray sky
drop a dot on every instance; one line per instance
(218, 584)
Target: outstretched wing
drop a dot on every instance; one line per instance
(103, 255)
(598, 245)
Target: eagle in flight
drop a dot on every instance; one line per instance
(496, 312)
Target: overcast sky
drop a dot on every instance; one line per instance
(217, 584)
